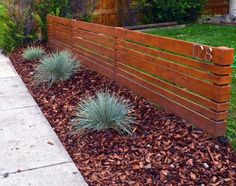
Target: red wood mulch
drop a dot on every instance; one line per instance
(165, 150)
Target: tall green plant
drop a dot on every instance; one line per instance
(169, 10)
(54, 7)
(3, 12)
(84, 9)
(18, 25)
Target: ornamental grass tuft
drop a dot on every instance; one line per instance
(59, 66)
(32, 53)
(102, 112)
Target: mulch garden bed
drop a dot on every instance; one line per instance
(164, 150)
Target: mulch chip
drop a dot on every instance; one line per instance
(164, 150)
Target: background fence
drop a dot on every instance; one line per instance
(118, 12)
(190, 80)
(109, 12)
(217, 7)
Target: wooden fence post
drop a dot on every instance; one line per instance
(115, 57)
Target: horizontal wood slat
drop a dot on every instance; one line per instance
(100, 29)
(196, 85)
(219, 70)
(143, 78)
(165, 71)
(94, 47)
(93, 37)
(221, 56)
(222, 80)
(178, 91)
(212, 127)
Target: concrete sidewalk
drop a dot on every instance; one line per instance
(30, 152)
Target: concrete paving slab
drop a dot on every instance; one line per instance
(58, 175)
(27, 140)
(6, 68)
(14, 94)
(11, 86)
(19, 100)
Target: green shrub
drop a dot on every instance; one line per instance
(84, 9)
(54, 7)
(170, 10)
(56, 67)
(3, 12)
(234, 67)
(181, 11)
(33, 53)
(103, 112)
(17, 24)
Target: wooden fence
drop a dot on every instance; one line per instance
(190, 80)
(220, 7)
(109, 12)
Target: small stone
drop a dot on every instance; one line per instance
(6, 175)
(50, 143)
(206, 166)
(148, 166)
(149, 146)
(202, 184)
(193, 176)
(217, 146)
(53, 97)
(172, 166)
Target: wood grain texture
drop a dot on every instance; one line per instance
(163, 70)
(107, 12)
(220, 7)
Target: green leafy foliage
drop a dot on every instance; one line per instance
(231, 132)
(169, 10)
(31, 53)
(3, 12)
(234, 67)
(54, 7)
(84, 9)
(59, 66)
(105, 111)
(17, 25)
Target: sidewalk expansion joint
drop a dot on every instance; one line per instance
(5, 175)
(17, 108)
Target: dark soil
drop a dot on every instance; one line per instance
(164, 150)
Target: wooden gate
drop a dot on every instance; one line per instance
(188, 79)
(107, 12)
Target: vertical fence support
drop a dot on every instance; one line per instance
(115, 58)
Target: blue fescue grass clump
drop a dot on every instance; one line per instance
(102, 112)
(31, 53)
(56, 67)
